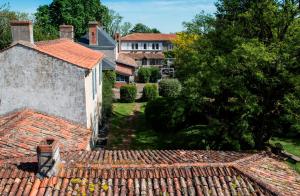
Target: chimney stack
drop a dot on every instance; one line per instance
(48, 157)
(118, 40)
(66, 31)
(22, 30)
(93, 35)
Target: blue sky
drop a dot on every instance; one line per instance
(166, 15)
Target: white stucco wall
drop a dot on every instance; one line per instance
(93, 106)
(29, 79)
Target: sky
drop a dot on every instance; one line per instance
(165, 15)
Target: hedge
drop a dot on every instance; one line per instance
(149, 74)
(165, 115)
(169, 88)
(128, 93)
(144, 74)
(150, 92)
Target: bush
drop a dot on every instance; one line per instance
(144, 74)
(108, 83)
(169, 88)
(150, 92)
(149, 74)
(155, 74)
(110, 76)
(128, 93)
(165, 114)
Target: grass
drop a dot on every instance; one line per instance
(290, 145)
(129, 129)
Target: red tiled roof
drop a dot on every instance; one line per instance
(66, 50)
(71, 52)
(137, 173)
(276, 173)
(140, 56)
(149, 37)
(124, 70)
(21, 132)
(126, 59)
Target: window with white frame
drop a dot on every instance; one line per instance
(136, 46)
(145, 46)
(132, 46)
(157, 46)
(153, 46)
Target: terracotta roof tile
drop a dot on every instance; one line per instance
(124, 70)
(71, 52)
(66, 50)
(123, 58)
(20, 133)
(149, 37)
(139, 56)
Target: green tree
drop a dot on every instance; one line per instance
(74, 12)
(141, 28)
(6, 16)
(125, 28)
(240, 74)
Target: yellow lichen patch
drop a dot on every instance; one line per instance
(75, 180)
(105, 187)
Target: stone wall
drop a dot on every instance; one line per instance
(29, 79)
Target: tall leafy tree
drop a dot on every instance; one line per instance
(141, 28)
(74, 12)
(6, 16)
(240, 73)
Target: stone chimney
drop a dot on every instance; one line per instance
(66, 31)
(93, 35)
(118, 40)
(22, 30)
(48, 157)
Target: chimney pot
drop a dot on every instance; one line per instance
(48, 157)
(66, 31)
(22, 31)
(93, 35)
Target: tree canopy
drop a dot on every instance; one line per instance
(6, 15)
(141, 28)
(240, 74)
(74, 12)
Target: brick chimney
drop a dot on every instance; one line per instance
(93, 35)
(48, 157)
(22, 30)
(66, 31)
(118, 40)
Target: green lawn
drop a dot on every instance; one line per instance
(128, 129)
(290, 145)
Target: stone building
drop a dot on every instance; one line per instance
(58, 77)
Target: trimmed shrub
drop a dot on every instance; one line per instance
(165, 114)
(169, 88)
(150, 92)
(155, 74)
(144, 74)
(108, 83)
(128, 93)
(110, 76)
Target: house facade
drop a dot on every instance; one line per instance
(58, 77)
(99, 40)
(147, 48)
